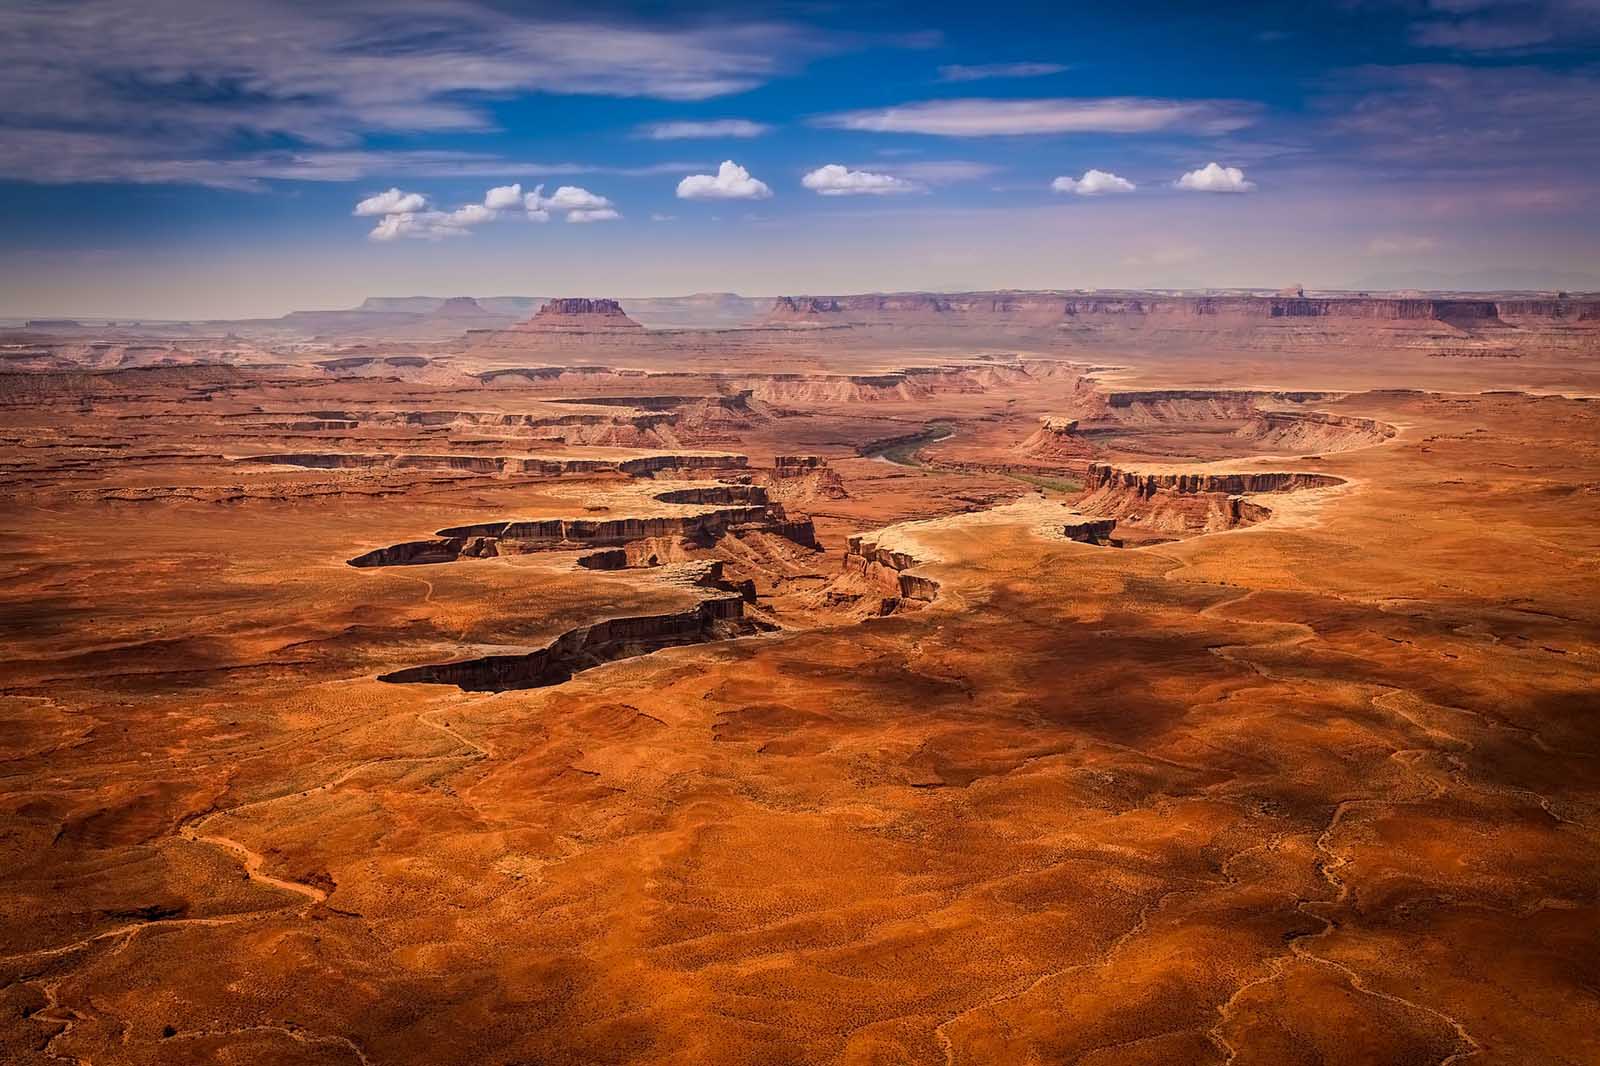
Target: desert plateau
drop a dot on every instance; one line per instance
(601, 533)
(1013, 678)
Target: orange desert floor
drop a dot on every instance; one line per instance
(1248, 711)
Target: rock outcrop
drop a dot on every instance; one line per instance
(1057, 440)
(889, 570)
(1181, 502)
(526, 465)
(745, 512)
(801, 479)
(1147, 482)
(579, 315)
(1311, 431)
(718, 617)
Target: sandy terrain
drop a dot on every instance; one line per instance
(805, 696)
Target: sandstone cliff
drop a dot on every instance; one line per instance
(1186, 502)
(717, 617)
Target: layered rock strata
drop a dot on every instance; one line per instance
(1183, 502)
(518, 537)
(717, 617)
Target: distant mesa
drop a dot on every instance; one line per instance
(461, 307)
(579, 315)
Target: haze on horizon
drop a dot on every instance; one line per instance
(237, 159)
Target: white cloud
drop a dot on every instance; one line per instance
(403, 215)
(423, 225)
(471, 215)
(982, 71)
(578, 203)
(658, 217)
(503, 196)
(721, 127)
(576, 198)
(1215, 178)
(1093, 183)
(392, 202)
(994, 118)
(731, 182)
(836, 180)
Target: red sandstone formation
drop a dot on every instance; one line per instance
(1057, 440)
(1178, 502)
(888, 571)
(802, 479)
(735, 510)
(1310, 431)
(718, 617)
(580, 315)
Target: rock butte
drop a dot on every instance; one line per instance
(911, 678)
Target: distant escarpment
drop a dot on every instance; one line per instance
(1325, 318)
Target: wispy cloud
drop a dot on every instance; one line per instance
(1515, 26)
(720, 127)
(980, 72)
(72, 156)
(981, 117)
(155, 90)
(1448, 118)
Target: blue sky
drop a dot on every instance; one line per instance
(189, 158)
